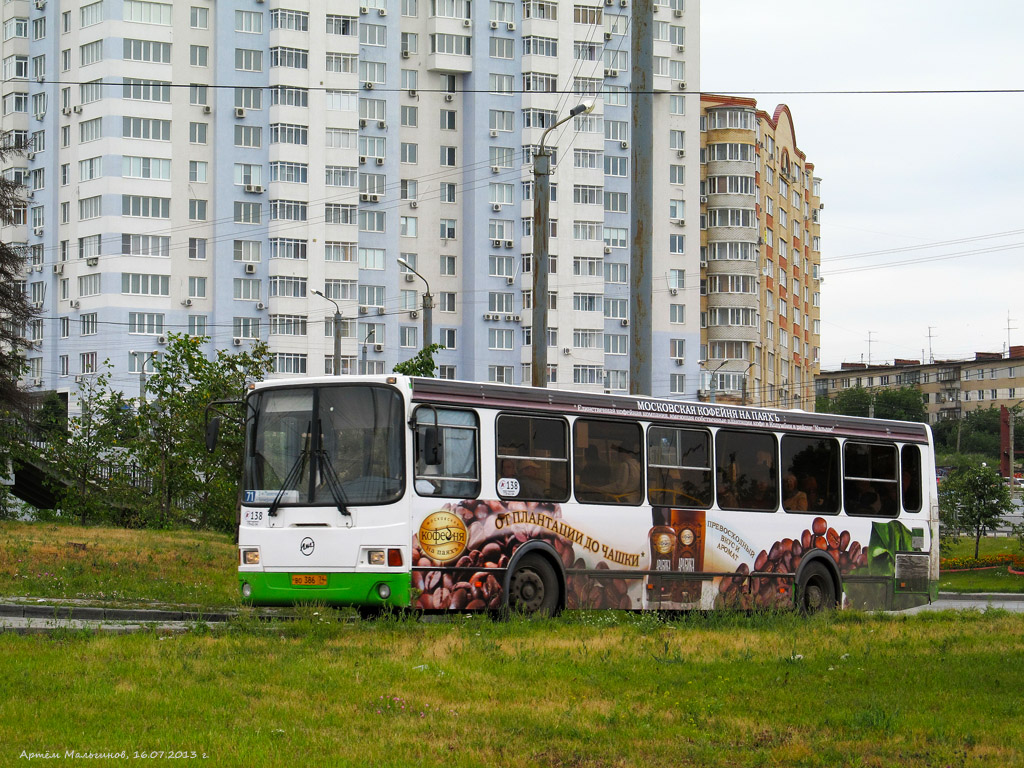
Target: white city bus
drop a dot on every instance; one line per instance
(390, 491)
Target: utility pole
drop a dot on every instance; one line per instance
(931, 357)
(641, 83)
(869, 348)
(541, 233)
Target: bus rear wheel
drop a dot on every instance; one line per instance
(816, 592)
(533, 588)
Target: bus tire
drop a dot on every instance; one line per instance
(816, 592)
(533, 587)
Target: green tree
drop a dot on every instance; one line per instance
(422, 364)
(51, 417)
(903, 404)
(973, 499)
(855, 401)
(95, 457)
(976, 432)
(15, 313)
(188, 484)
(15, 310)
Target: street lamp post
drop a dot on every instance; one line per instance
(371, 333)
(541, 224)
(713, 386)
(428, 306)
(142, 371)
(743, 399)
(337, 332)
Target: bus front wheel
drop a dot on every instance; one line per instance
(816, 592)
(533, 588)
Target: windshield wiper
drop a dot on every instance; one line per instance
(333, 483)
(293, 475)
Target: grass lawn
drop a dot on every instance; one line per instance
(994, 580)
(118, 566)
(586, 690)
(989, 545)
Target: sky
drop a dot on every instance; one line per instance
(899, 171)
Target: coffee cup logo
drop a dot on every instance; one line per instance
(442, 536)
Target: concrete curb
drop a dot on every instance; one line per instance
(992, 597)
(85, 613)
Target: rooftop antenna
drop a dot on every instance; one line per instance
(1008, 329)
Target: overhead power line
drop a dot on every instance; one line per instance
(922, 246)
(926, 259)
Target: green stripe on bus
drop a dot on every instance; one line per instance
(355, 589)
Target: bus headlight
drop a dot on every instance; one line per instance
(375, 557)
(384, 591)
(250, 557)
(246, 589)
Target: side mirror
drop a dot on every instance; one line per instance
(430, 446)
(212, 433)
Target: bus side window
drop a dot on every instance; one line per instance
(607, 462)
(679, 467)
(910, 477)
(870, 485)
(532, 458)
(747, 468)
(810, 474)
(446, 453)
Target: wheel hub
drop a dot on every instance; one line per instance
(528, 590)
(814, 597)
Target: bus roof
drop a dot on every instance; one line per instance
(659, 410)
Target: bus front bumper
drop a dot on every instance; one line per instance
(341, 589)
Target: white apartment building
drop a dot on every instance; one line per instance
(204, 167)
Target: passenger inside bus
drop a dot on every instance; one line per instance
(863, 499)
(629, 476)
(531, 482)
(761, 491)
(809, 485)
(793, 499)
(593, 473)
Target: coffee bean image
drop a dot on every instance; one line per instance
(779, 564)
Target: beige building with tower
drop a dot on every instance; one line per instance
(760, 257)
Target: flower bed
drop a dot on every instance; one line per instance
(1015, 563)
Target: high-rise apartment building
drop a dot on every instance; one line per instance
(202, 168)
(760, 257)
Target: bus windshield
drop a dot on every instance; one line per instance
(325, 445)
